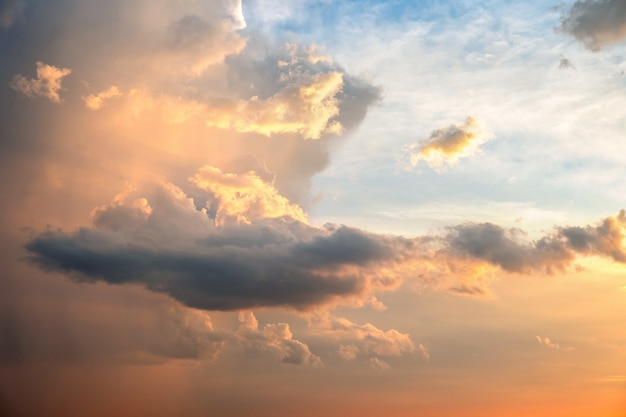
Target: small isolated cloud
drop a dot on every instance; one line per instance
(275, 340)
(547, 342)
(447, 145)
(596, 23)
(97, 101)
(47, 84)
(565, 63)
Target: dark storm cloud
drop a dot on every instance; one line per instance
(596, 23)
(219, 278)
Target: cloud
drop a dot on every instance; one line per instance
(47, 84)
(166, 244)
(364, 340)
(199, 43)
(596, 23)
(424, 351)
(602, 240)
(275, 340)
(244, 197)
(97, 101)
(565, 63)
(553, 252)
(260, 254)
(547, 342)
(552, 344)
(448, 145)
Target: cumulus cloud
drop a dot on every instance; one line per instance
(275, 340)
(244, 197)
(596, 23)
(168, 245)
(267, 256)
(47, 84)
(306, 109)
(363, 340)
(447, 145)
(97, 101)
(302, 94)
(553, 252)
(199, 43)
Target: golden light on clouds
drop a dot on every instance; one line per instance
(47, 84)
(448, 145)
(204, 213)
(244, 198)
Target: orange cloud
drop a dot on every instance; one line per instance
(243, 198)
(47, 84)
(448, 145)
(97, 101)
(307, 109)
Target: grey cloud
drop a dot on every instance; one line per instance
(500, 247)
(604, 239)
(555, 251)
(169, 246)
(271, 262)
(596, 23)
(565, 63)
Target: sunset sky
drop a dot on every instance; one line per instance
(312, 208)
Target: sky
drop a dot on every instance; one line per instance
(316, 207)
